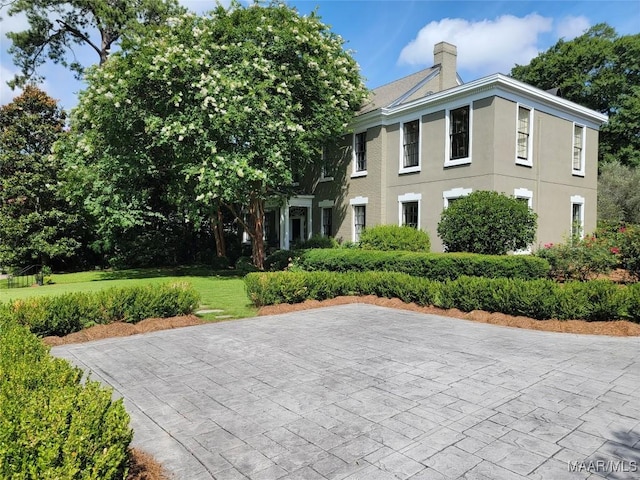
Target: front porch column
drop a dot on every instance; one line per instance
(284, 227)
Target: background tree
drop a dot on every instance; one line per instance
(36, 225)
(487, 222)
(618, 194)
(55, 26)
(227, 106)
(600, 70)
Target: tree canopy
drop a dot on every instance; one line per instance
(36, 226)
(600, 70)
(220, 109)
(56, 26)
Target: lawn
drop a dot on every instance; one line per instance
(219, 290)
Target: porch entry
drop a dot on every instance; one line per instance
(290, 223)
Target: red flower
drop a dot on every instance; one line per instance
(622, 229)
(548, 245)
(615, 250)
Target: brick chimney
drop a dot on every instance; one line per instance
(445, 54)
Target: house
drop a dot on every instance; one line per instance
(427, 139)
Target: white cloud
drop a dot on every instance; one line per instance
(201, 6)
(572, 27)
(484, 47)
(6, 94)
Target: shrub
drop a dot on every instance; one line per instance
(580, 259)
(394, 237)
(633, 302)
(317, 241)
(630, 250)
(53, 425)
(435, 266)
(60, 315)
(245, 265)
(487, 222)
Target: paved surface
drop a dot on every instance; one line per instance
(364, 392)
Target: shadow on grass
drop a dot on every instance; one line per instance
(191, 271)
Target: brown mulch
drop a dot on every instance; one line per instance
(142, 465)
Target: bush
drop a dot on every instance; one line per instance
(580, 259)
(540, 298)
(434, 266)
(394, 237)
(64, 314)
(316, 241)
(630, 250)
(53, 425)
(487, 222)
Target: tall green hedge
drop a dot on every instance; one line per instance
(540, 298)
(52, 425)
(434, 266)
(63, 314)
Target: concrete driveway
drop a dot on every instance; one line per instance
(365, 392)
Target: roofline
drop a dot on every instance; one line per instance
(495, 81)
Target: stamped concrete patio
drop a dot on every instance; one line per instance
(365, 392)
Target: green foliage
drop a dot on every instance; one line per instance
(630, 250)
(579, 259)
(434, 266)
(540, 298)
(317, 241)
(64, 314)
(487, 222)
(280, 260)
(211, 109)
(618, 194)
(52, 425)
(57, 26)
(36, 224)
(633, 302)
(599, 70)
(394, 237)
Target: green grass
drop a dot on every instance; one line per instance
(219, 290)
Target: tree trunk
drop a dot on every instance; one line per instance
(256, 212)
(218, 232)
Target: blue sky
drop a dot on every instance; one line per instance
(392, 39)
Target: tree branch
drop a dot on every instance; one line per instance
(77, 33)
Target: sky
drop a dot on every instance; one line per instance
(391, 39)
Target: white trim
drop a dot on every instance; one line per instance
(359, 201)
(529, 161)
(353, 217)
(524, 194)
(402, 169)
(578, 172)
(406, 198)
(447, 146)
(454, 193)
(326, 203)
(577, 200)
(359, 173)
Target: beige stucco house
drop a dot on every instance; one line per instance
(427, 139)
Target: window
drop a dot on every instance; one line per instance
(525, 196)
(410, 144)
(360, 153)
(325, 171)
(459, 133)
(454, 194)
(578, 150)
(359, 221)
(409, 209)
(327, 225)
(577, 217)
(523, 140)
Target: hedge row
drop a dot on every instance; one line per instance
(52, 425)
(434, 266)
(540, 298)
(71, 312)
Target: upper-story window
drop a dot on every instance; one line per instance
(459, 136)
(577, 167)
(523, 141)
(360, 153)
(411, 145)
(326, 169)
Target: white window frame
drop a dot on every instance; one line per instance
(407, 198)
(525, 194)
(455, 193)
(357, 202)
(416, 168)
(355, 172)
(322, 205)
(577, 200)
(528, 162)
(578, 171)
(447, 147)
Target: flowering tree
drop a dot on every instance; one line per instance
(231, 104)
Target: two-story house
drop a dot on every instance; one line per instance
(427, 139)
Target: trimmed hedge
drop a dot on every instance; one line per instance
(52, 424)
(394, 238)
(434, 266)
(540, 298)
(71, 312)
